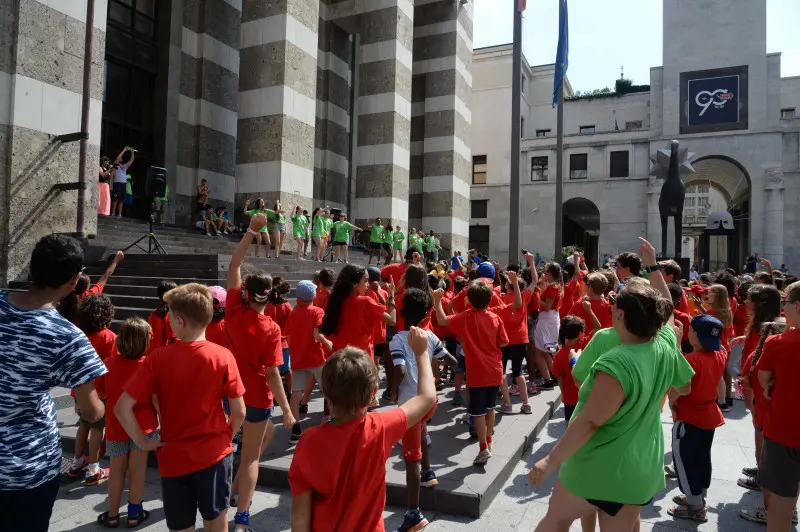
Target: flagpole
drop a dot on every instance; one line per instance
(516, 94)
(558, 255)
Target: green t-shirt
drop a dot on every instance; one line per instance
(318, 228)
(413, 240)
(430, 243)
(128, 187)
(162, 198)
(624, 460)
(299, 225)
(376, 234)
(328, 224)
(342, 231)
(398, 237)
(603, 340)
(388, 237)
(265, 212)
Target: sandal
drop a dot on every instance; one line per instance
(108, 521)
(681, 499)
(136, 520)
(687, 512)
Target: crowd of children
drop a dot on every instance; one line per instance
(238, 352)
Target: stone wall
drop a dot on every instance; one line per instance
(41, 76)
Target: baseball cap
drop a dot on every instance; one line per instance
(219, 294)
(709, 331)
(486, 269)
(374, 274)
(306, 291)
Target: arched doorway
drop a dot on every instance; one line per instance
(719, 183)
(582, 228)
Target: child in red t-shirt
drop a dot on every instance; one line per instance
(325, 280)
(132, 343)
(94, 316)
(338, 473)
(515, 321)
(595, 288)
(308, 347)
(572, 337)
(189, 379)
(546, 333)
(278, 309)
(159, 319)
(675, 291)
(482, 338)
(697, 416)
(215, 332)
(257, 345)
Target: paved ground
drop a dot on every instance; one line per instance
(518, 507)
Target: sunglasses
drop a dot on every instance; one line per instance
(785, 302)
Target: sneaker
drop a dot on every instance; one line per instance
(303, 408)
(750, 471)
(505, 408)
(723, 406)
(78, 468)
(513, 390)
(428, 479)
(749, 483)
(97, 478)
(687, 512)
(294, 438)
(532, 390)
(439, 385)
(669, 471)
(482, 458)
(546, 385)
(526, 409)
(458, 399)
(756, 514)
(413, 521)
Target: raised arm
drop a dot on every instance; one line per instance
(531, 260)
(234, 270)
(441, 317)
(587, 306)
(111, 267)
(121, 154)
(648, 254)
(389, 317)
(416, 408)
(512, 280)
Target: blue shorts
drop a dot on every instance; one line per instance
(257, 415)
(128, 200)
(481, 399)
(283, 369)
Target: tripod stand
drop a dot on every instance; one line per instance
(153, 245)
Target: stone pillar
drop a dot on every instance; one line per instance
(277, 95)
(41, 83)
(208, 103)
(417, 166)
(384, 107)
(773, 210)
(332, 139)
(443, 53)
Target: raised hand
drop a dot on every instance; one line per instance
(437, 295)
(257, 222)
(647, 251)
(418, 340)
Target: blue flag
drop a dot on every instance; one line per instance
(562, 56)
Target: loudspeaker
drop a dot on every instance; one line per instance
(156, 184)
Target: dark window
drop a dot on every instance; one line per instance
(522, 127)
(539, 168)
(635, 124)
(586, 130)
(579, 166)
(542, 132)
(787, 113)
(479, 166)
(479, 238)
(619, 164)
(479, 208)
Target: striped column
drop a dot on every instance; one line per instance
(417, 165)
(443, 55)
(384, 107)
(332, 140)
(278, 106)
(208, 102)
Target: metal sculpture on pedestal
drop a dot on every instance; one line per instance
(670, 164)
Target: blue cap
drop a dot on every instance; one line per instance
(486, 269)
(306, 291)
(374, 274)
(476, 260)
(709, 331)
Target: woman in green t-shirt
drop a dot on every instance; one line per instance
(387, 243)
(263, 233)
(278, 228)
(319, 232)
(612, 455)
(299, 229)
(341, 237)
(398, 237)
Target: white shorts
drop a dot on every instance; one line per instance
(545, 336)
(300, 377)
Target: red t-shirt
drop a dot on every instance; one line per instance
(120, 370)
(780, 356)
(356, 323)
(686, 320)
(600, 307)
(345, 466)
(482, 334)
(400, 323)
(189, 380)
(321, 299)
(379, 332)
(215, 332)
(515, 321)
(461, 302)
(440, 331)
(105, 343)
(305, 350)
(562, 369)
(572, 293)
(750, 344)
(699, 408)
(726, 334)
(683, 306)
(394, 272)
(535, 303)
(740, 320)
(162, 330)
(553, 291)
(279, 313)
(256, 343)
(93, 291)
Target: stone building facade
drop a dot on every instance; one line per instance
(355, 104)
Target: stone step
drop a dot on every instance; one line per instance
(153, 281)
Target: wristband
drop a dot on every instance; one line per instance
(653, 269)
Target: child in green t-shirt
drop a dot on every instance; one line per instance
(341, 237)
(376, 231)
(263, 233)
(398, 237)
(299, 229)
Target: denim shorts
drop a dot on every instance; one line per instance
(253, 414)
(115, 449)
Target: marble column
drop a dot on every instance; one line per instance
(773, 207)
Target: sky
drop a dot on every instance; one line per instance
(605, 38)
